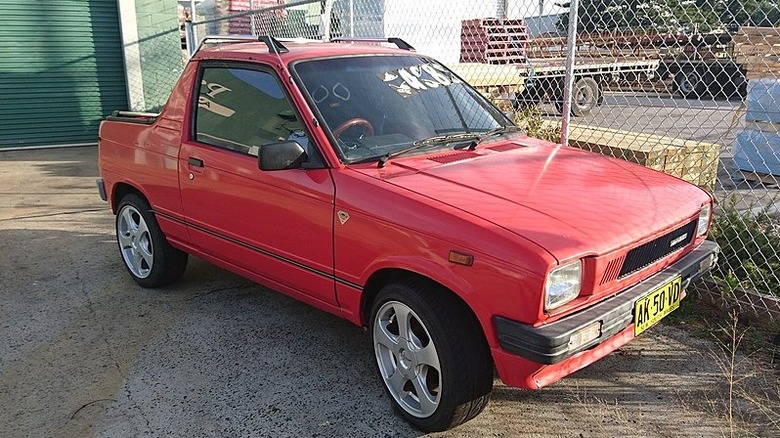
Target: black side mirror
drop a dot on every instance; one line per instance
(280, 156)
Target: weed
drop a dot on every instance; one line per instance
(531, 121)
(750, 250)
(696, 314)
(745, 385)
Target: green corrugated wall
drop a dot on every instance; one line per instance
(160, 49)
(61, 70)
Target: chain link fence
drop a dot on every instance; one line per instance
(688, 88)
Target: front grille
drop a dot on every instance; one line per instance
(657, 249)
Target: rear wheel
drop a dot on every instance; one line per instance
(148, 257)
(431, 355)
(690, 83)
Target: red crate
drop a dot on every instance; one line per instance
(493, 41)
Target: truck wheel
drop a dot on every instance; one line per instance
(690, 83)
(585, 97)
(431, 355)
(150, 259)
(528, 98)
(734, 84)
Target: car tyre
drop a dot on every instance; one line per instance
(431, 355)
(148, 257)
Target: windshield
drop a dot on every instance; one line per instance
(375, 106)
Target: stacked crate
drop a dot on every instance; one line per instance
(493, 41)
(265, 22)
(758, 50)
(757, 148)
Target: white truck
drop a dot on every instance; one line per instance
(541, 79)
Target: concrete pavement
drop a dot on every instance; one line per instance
(84, 351)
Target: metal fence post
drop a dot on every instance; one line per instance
(189, 37)
(352, 18)
(568, 83)
(326, 24)
(252, 19)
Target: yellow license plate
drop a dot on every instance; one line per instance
(651, 308)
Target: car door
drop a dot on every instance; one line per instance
(277, 225)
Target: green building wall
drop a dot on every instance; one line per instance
(153, 55)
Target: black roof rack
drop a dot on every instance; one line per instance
(274, 46)
(401, 44)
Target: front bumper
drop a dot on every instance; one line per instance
(549, 344)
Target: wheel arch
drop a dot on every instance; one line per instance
(122, 189)
(386, 276)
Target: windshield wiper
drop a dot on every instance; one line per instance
(419, 144)
(492, 133)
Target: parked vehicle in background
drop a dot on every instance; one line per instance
(500, 55)
(694, 65)
(374, 184)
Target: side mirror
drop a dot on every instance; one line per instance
(280, 156)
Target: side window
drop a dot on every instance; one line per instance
(241, 109)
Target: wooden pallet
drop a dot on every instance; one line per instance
(758, 50)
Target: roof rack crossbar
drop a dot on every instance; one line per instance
(274, 46)
(401, 44)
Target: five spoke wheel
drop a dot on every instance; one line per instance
(149, 258)
(135, 243)
(407, 359)
(430, 353)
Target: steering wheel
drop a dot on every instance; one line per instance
(357, 121)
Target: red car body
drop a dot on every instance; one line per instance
(488, 224)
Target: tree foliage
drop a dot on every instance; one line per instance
(687, 16)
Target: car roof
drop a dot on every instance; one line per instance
(297, 49)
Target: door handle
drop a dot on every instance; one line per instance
(197, 162)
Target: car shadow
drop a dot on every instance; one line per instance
(56, 162)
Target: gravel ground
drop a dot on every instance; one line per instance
(86, 352)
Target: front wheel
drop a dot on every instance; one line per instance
(148, 257)
(585, 97)
(431, 355)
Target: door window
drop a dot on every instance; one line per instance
(241, 109)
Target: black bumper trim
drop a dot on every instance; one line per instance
(549, 344)
(101, 185)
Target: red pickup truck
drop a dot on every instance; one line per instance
(373, 183)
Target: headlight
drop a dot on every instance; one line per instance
(562, 285)
(705, 214)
